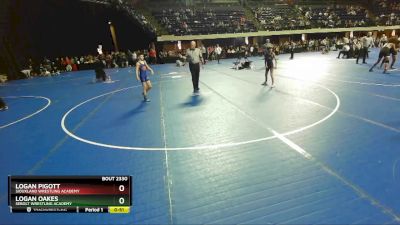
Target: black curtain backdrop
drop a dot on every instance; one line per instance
(59, 28)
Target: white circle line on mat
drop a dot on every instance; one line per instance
(198, 147)
(28, 116)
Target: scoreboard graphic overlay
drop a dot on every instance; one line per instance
(70, 194)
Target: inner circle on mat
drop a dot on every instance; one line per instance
(27, 116)
(158, 133)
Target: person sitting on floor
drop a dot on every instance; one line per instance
(345, 51)
(242, 64)
(181, 61)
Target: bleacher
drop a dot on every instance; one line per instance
(278, 17)
(127, 8)
(387, 11)
(193, 21)
(338, 16)
(208, 17)
(285, 17)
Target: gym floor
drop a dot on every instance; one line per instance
(322, 147)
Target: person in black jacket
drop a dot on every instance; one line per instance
(99, 69)
(291, 48)
(3, 105)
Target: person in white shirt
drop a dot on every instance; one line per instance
(181, 61)
(204, 53)
(325, 45)
(345, 51)
(310, 45)
(218, 51)
(366, 43)
(357, 45)
(68, 68)
(195, 58)
(134, 57)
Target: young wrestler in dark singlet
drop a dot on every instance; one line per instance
(141, 74)
(384, 54)
(269, 56)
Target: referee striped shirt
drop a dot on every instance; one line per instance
(193, 56)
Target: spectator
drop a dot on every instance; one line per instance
(216, 20)
(3, 105)
(99, 69)
(345, 51)
(218, 51)
(292, 46)
(152, 56)
(203, 50)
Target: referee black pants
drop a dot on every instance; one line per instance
(195, 71)
(363, 52)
